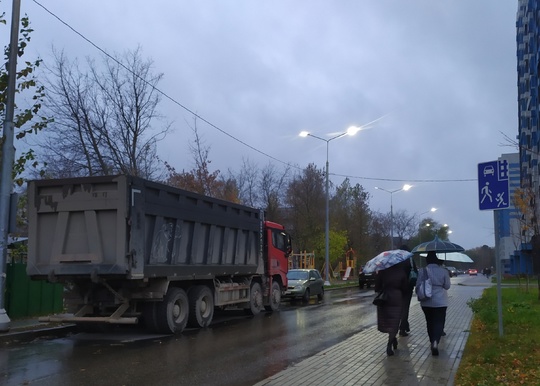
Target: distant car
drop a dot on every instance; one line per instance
(304, 283)
(453, 271)
(473, 272)
(365, 279)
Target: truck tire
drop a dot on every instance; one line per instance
(149, 316)
(255, 299)
(172, 313)
(275, 298)
(201, 306)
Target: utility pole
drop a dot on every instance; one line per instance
(8, 156)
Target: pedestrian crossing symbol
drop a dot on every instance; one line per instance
(493, 191)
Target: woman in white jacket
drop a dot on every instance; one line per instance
(435, 307)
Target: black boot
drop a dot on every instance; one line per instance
(434, 348)
(389, 350)
(394, 343)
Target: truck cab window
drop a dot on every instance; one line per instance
(279, 240)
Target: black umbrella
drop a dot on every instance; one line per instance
(437, 245)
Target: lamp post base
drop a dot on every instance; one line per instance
(327, 283)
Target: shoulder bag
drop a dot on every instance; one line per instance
(423, 288)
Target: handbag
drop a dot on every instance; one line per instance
(424, 287)
(380, 299)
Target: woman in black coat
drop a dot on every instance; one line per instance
(394, 281)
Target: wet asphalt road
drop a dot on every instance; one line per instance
(235, 350)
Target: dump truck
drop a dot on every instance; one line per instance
(129, 250)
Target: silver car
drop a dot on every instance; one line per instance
(304, 283)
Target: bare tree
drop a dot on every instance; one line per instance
(200, 179)
(105, 117)
(405, 225)
(247, 181)
(272, 187)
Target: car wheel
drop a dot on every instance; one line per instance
(321, 295)
(306, 296)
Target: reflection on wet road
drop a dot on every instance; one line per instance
(235, 350)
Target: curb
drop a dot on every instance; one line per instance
(31, 334)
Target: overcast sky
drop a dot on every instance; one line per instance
(438, 77)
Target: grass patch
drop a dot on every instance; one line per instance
(512, 359)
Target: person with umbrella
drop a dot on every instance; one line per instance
(434, 307)
(392, 279)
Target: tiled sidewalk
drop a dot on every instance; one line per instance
(362, 359)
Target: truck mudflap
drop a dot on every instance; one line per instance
(78, 317)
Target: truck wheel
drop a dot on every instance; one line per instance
(275, 297)
(255, 299)
(149, 316)
(172, 313)
(201, 306)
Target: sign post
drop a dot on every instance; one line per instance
(494, 194)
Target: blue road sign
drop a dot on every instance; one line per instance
(493, 190)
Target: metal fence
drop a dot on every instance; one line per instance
(26, 297)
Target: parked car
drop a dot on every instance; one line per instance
(365, 279)
(304, 283)
(453, 271)
(473, 272)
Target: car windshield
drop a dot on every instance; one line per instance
(297, 275)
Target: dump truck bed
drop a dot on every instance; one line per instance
(133, 228)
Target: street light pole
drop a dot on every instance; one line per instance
(350, 131)
(405, 188)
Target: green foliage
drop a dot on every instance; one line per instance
(26, 120)
(338, 246)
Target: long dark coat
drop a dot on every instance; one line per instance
(395, 282)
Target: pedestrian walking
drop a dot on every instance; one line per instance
(404, 327)
(394, 282)
(434, 307)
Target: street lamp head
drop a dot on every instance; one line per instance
(406, 187)
(433, 209)
(304, 133)
(352, 130)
